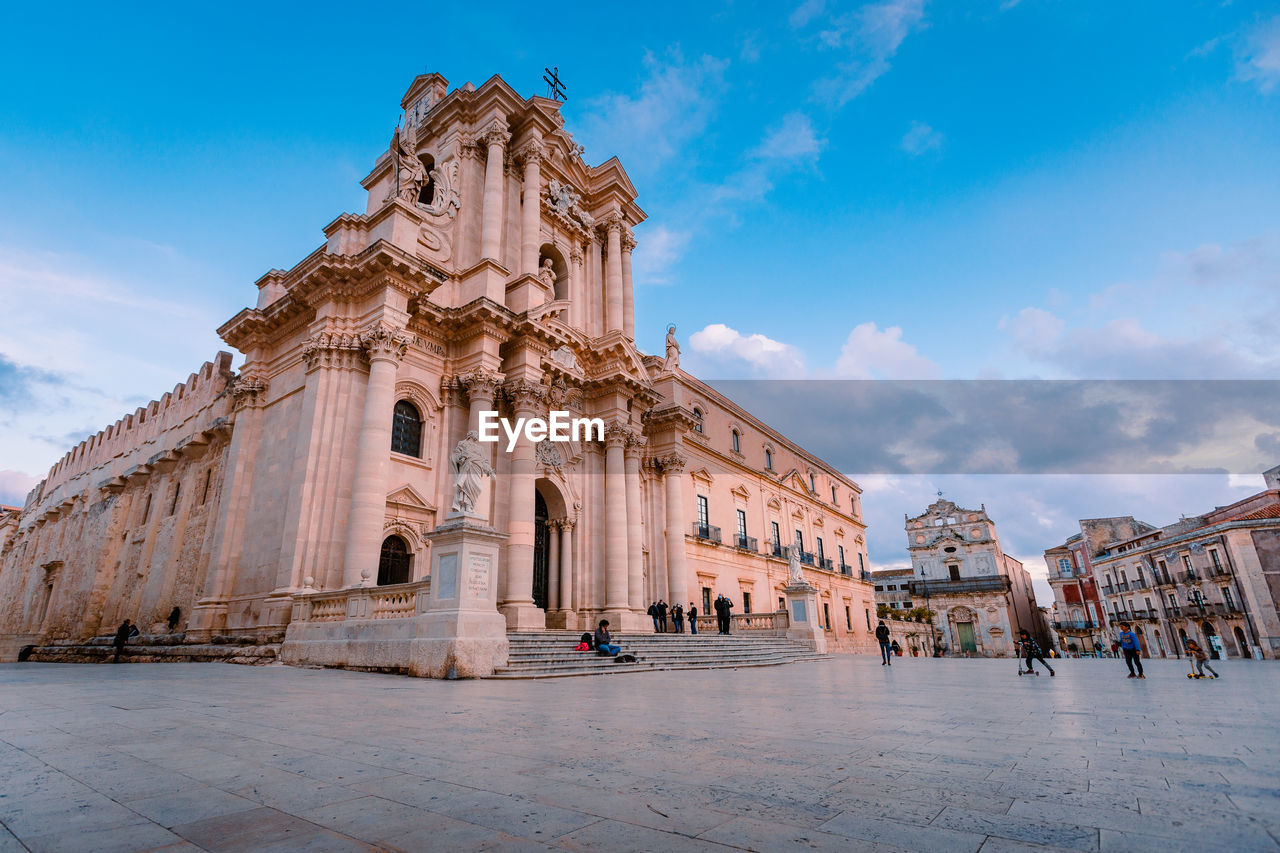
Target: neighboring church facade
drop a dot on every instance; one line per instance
(491, 271)
(980, 595)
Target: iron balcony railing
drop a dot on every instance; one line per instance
(846, 569)
(708, 532)
(865, 574)
(1141, 585)
(1174, 612)
(747, 543)
(826, 564)
(1073, 625)
(1164, 580)
(1188, 577)
(806, 558)
(1108, 590)
(1122, 586)
(777, 550)
(992, 584)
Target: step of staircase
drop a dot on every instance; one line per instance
(550, 654)
(99, 650)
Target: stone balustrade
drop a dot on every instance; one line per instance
(395, 601)
(771, 624)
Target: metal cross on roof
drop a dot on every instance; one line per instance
(555, 89)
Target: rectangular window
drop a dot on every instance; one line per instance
(706, 599)
(800, 539)
(955, 572)
(892, 586)
(1163, 570)
(841, 547)
(1186, 562)
(777, 537)
(848, 617)
(177, 492)
(782, 603)
(861, 566)
(834, 499)
(746, 602)
(742, 524)
(868, 614)
(703, 513)
(1226, 598)
(820, 552)
(1173, 600)
(1217, 563)
(826, 615)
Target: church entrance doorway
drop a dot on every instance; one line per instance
(395, 563)
(964, 631)
(541, 550)
(1242, 643)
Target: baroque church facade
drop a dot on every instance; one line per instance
(490, 271)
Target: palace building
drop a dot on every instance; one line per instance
(490, 271)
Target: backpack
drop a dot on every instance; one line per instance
(588, 639)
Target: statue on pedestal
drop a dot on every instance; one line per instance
(470, 466)
(673, 350)
(795, 575)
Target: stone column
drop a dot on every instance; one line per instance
(553, 566)
(566, 565)
(530, 214)
(577, 293)
(491, 230)
(613, 277)
(628, 297)
(677, 578)
(635, 545)
(517, 604)
(615, 519)
(480, 386)
(385, 347)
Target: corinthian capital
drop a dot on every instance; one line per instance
(525, 395)
(384, 343)
(496, 134)
(672, 463)
(628, 240)
(531, 152)
(249, 390)
(480, 382)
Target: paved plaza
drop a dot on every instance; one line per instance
(838, 754)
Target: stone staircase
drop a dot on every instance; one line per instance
(550, 654)
(154, 649)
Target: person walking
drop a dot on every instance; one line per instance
(653, 611)
(882, 637)
(1031, 649)
(122, 637)
(1201, 657)
(662, 614)
(693, 619)
(1132, 648)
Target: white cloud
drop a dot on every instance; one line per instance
(760, 355)
(657, 250)
(1259, 59)
(792, 143)
(14, 486)
(806, 12)
(674, 104)
(870, 38)
(919, 138)
(870, 353)
(1033, 329)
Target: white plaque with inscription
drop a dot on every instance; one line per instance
(478, 575)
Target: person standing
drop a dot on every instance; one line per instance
(1031, 649)
(693, 619)
(882, 637)
(1132, 648)
(1201, 657)
(662, 614)
(653, 611)
(677, 617)
(718, 604)
(728, 614)
(122, 637)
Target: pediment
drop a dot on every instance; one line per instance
(408, 497)
(741, 491)
(773, 503)
(701, 475)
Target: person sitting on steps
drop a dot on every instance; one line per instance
(604, 641)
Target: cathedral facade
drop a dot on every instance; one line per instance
(490, 272)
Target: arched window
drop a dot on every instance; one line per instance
(427, 195)
(737, 442)
(697, 417)
(813, 482)
(395, 562)
(768, 459)
(406, 430)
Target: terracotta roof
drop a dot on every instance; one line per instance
(1270, 511)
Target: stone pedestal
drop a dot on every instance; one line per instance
(802, 608)
(462, 634)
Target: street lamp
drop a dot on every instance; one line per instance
(933, 637)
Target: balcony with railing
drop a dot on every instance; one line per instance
(845, 569)
(1188, 577)
(806, 558)
(1140, 584)
(746, 543)
(1070, 626)
(825, 563)
(1122, 586)
(964, 585)
(1108, 590)
(1164, 580)
(706, 532)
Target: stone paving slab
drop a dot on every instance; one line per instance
(839, 754)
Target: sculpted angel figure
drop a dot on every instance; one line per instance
(470, 466)
(410, 173)
(795, 575)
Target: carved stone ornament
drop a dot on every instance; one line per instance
(496, 134)
(480, 382)
(524, 394)
(248, 390)
(332, 349)
(795, 575)
(565, 204)
(470, 466)
(565, 357)
(383, 342)
(548, 455)
(672, 463)
(672, 360)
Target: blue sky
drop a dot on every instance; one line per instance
(901, 189)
